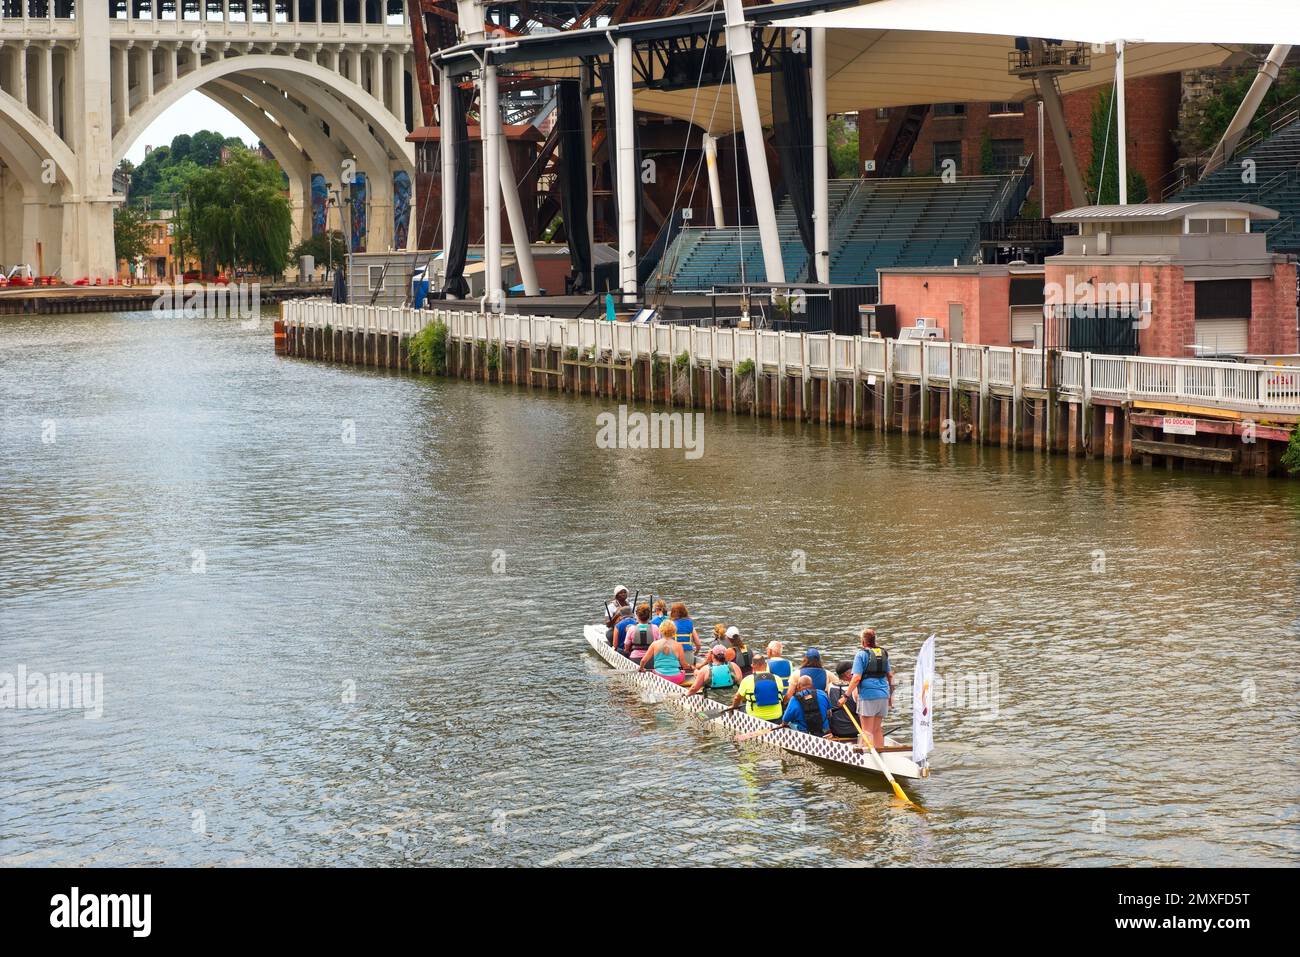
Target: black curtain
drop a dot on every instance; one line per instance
(456, 250)
(573, 185)
(611, 144)
(792, 129)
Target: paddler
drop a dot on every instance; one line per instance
(812, 667)
(872, 686)
(781, 667)
(665, 656)
(613, 605)
(840, 722)
(685, 629)
(744, 657)
(760, 692)
(717, 673)
(808, 708)
(640, 635)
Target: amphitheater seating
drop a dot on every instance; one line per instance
(874, 223)
(911, 222)
(1277, 186)
(700, 259)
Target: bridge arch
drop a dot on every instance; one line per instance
(388, 130)
(21, 124)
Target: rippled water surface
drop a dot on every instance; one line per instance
(199, 532)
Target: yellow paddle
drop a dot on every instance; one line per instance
(898, 791)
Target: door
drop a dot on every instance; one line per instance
(956, 322)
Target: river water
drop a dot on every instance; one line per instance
(337, 615)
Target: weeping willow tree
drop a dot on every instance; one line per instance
(236, 216)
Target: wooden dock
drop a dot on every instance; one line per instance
(1190, 415)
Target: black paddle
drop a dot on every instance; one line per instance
(715, 717)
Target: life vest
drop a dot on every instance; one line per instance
(841, 723)
(812, 711)
(745, 660)
(685, 631)
(643, 638)
(720, 676)
(877, 664)
(780, 667)
(767, 690)
(818, 676)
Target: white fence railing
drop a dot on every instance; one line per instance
(1226, 384)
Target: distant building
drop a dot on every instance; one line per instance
(1178, 280)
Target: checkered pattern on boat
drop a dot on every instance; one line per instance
(787, 739)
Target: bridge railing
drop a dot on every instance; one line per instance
(1231, 385)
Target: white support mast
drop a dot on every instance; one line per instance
(821, 176)
(740, 44)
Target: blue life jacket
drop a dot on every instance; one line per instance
(720, 676)
(818, 676)
(781, 668)
(685, 629)
(767, 690)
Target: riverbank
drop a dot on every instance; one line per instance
(65, 300)
(1179, 415)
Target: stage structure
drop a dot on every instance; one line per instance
(595, 78)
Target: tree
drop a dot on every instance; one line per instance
(842, 144)
(1203, 122)
(318, 247)
(164, 173)
(1103, 167)
(234, 215)
(130, 234)
(988, 163)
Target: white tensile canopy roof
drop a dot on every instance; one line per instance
(904, 52)
(1090, 21)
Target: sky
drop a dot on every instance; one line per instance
(190, 114)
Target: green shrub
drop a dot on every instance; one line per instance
(657, 363)
(494, 357)
(571, 353)
(329, 330)
(427, 349)
(745, 370)
(682, 362)
(1291, 457)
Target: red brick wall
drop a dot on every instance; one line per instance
(1273, 317)
(984, 300)
(1152, 104)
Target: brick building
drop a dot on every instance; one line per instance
(957, 131)
(1177, 280)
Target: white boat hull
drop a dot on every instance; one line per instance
(899, 763)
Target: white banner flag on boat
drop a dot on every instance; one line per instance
(922, 703)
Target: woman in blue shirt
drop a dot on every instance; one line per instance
(872, 686)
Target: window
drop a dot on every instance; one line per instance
(947, 150)
(1006, 155)
(375, 276)
(1008, 108)
(1223, 299)
(949, 109)
(882, 112)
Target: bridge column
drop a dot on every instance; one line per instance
(20, 71)
(146, 72)
(46, 111)
(33, 210)
(121, 81)
(88, 211)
